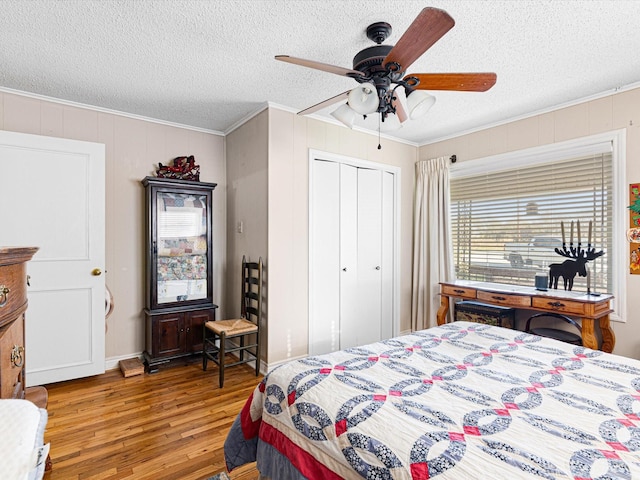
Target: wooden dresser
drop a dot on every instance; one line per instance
(13, 305)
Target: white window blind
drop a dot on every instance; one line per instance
(506, 222)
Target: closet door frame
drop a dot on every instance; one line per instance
(317, 155)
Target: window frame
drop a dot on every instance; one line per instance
(571, 149)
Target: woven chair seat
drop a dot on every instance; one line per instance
(232, 327)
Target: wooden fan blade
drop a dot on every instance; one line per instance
(428, 27)
(462, 82)
(325, 103)
(325, 67)
(401, 113)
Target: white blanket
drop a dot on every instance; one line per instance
(22, 453)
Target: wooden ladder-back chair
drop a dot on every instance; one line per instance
(239, 336)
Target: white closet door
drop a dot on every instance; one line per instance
(324, 293)
(352, 241)
(349, 299)
(365, 327)
(388, 238)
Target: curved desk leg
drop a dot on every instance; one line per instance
(443, 310)
(608, 337)
(588, 336)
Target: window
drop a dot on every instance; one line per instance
(509, 213)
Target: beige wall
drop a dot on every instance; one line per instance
(247, 199)
(267, 178)
(613, 112)
(290, 138)
(133, 150)
(267, 162)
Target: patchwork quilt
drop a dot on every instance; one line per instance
(458, 401)
(189, 267)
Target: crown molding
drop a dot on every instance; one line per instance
(107, 110)
(590, 98)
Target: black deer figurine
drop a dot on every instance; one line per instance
(570, 268)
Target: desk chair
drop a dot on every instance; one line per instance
(239, 336)
(561, 335)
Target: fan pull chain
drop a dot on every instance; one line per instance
(379, 146)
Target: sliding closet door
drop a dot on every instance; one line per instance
(350, 303)
(352, 241)
(324, 236)
(364, 325)
(388, 240)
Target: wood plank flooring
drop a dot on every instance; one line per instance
(170, 425)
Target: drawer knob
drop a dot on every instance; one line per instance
(459, 291)
(500, 299)
(17, 356)
(4, 295)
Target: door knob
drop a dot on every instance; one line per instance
(96, 272)
(378, 267)
(344, 269)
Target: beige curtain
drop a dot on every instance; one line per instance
(432, 250)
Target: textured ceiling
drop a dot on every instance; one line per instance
(210, 64)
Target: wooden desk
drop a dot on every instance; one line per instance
(587, 307)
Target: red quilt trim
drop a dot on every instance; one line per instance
(250, 428)
(306, 464)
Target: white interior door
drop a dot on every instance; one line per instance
(352, 255)
(350, 303)
(367, 324)
(324, 251)
(388, 239)
(55, 190)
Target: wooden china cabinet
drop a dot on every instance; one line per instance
(179, 287)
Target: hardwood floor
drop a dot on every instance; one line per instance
(170, 425)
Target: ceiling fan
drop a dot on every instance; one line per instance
(380, 70)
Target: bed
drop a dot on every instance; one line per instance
(23, 453)
(462, 400)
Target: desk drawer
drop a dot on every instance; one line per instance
(558, 305)
(505, 299)
(455, 291)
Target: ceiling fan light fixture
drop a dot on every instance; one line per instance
(345, 114)
(419, 103)
(364, 99)
(381, 69)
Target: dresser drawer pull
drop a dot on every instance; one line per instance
(17, 356)
(500, 299)
(4, 295)
(556, 304)
(460, 291)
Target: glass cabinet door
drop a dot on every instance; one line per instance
(181, 248)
